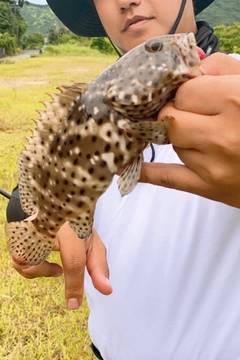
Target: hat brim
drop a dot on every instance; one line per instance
(82, 19)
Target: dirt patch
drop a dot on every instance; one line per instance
(22, 82)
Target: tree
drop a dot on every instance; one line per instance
(11, 22)
(103, 45)
(19, 3)
(33, 41)
(53, 37)
(7, 42)
(229, 37)
(6, 19)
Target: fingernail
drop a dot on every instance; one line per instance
(107, 281)
(73, 304)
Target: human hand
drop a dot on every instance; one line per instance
(205, 134)
(75, 255)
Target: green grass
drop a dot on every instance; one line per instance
(69, 49)
(35, 323)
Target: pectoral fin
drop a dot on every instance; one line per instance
(129, 177)
(149, 131)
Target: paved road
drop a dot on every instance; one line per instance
(25, 54)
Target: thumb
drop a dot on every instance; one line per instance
(97, 265)
(220, 64)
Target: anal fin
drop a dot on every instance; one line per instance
(84, 223)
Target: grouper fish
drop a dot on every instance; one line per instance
(87, 132)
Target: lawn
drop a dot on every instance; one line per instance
(35, 323)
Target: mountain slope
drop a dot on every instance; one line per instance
(41, 18)
(221, 12)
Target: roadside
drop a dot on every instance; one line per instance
(25, 54)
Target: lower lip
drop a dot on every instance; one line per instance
(137, 25)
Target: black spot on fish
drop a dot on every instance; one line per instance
(103, 164)
(107, 147)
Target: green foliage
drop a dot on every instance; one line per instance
(70, 38)
(221, 12)
(33, 41)
(17, 3)
(69, 50)
(229, 37)
(53, 37)
(103, 45)
(21, 27)
(7, 20)
(8, 43)
(40, 18)
(11, 22)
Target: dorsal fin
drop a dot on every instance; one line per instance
(50, 124)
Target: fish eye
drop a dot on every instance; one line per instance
(153, 46)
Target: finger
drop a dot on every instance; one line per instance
(72, 250)
(45, 269)
(220, 64)
(187, 131)
(206, 94)
(97, 265)
(175, 176)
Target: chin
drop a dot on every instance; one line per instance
(138, 38)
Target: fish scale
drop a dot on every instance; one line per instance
(87, 132)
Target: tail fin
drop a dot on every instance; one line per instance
(26, 245)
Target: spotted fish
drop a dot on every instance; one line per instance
(86, 132)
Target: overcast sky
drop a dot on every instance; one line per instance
(41, 2)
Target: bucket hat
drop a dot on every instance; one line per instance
(81, 18)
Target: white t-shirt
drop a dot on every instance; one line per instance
(174, 263)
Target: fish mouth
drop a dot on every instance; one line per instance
(135, 20)
(201, 53)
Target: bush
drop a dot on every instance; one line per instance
(103, 45)
(8, 43)
(33, 41)
(69, 50)
(229, 37)
(51, 50)
(70, 38)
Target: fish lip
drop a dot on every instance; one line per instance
(134, 20)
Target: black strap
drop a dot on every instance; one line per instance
(14, 211)
(96, 352)
(5, 194)
(178, 19)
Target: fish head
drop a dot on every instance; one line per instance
(159, 67)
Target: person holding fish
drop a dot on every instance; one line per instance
(173, 250)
